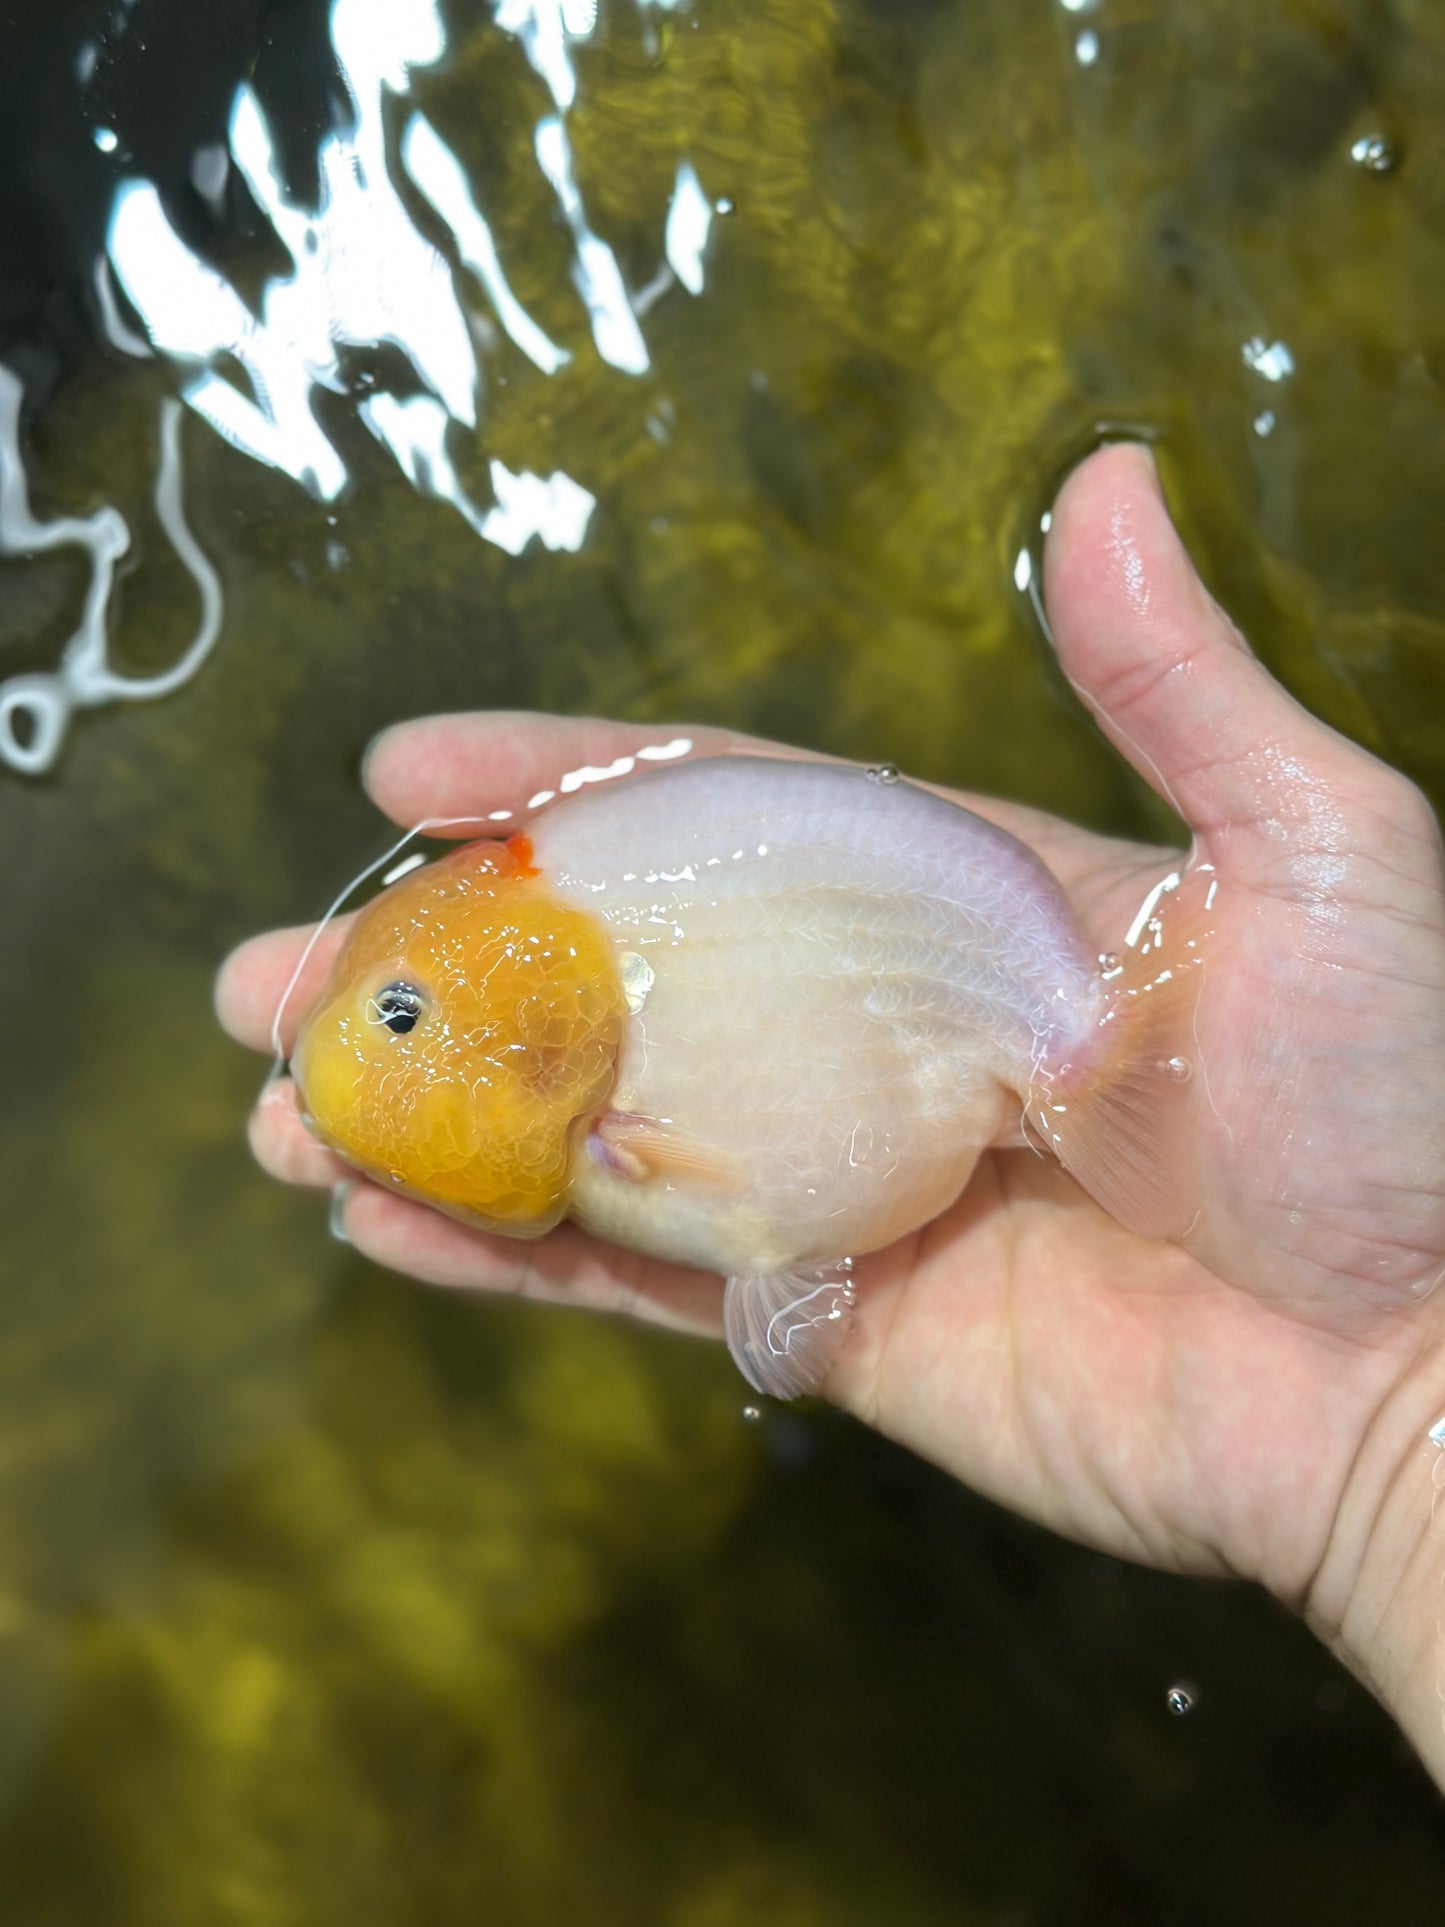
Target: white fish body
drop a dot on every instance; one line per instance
(852, 988)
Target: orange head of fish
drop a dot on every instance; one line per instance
(467, 1033)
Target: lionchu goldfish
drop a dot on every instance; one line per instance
(753, 1015)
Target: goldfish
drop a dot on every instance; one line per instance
(751, 1015)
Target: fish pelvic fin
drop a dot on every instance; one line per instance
(1124, 1121)
(640, 1148)
(784, 1327)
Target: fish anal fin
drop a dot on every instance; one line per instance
(784, 1328)
(640, 1148)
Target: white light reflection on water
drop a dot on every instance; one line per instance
(545, 28)
(360, 274)
(689, 222)
(113, 327)
(438, 173)
(1270, 359)
(599, 279)
(557, 509)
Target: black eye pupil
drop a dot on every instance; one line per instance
(400, 1005)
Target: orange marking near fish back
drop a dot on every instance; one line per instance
(521, 847)
(512, 858)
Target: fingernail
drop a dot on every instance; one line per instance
(1151, 463)
(336, 1216)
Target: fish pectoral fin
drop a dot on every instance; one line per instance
(640, 1148)
(784, 1327)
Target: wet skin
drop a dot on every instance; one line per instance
(1255, 1403)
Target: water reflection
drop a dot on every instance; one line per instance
(438, 173)
(361, 275)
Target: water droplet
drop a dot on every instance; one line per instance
(1376, 153)
(883, 773)
(1181, 1699)
(845, 1265)
(1273, 360)
(1108, 960)
(752, 1413)
(1178, 1070)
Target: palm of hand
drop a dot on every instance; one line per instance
(1148, 1399)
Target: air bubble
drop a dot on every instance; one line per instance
(1108, 960)
(1178, 1070)
(1181, 1699)
(752, 1413)
(883, 773)
(1376, 153)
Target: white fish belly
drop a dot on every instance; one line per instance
(851, 984)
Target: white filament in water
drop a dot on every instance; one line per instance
(84, 677)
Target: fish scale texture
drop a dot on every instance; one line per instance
(849, 981)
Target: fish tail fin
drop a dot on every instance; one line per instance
(1125, 1122)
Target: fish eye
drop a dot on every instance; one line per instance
(398, 1007)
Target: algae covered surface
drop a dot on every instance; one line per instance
(326, 1599)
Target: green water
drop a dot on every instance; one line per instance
(325, 1599)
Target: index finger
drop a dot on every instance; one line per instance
(499, 764)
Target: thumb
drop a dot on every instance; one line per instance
(1168, 677)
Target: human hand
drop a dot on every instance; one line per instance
(1255, 1401)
